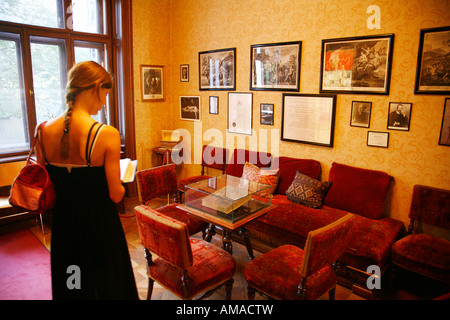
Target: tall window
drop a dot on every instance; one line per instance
(39, 43)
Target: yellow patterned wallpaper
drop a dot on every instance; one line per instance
(172, 33)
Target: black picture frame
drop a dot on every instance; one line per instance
(399, 116)
(275, 66)
(433, 66)
(357, 65)
(444, 136)
(214, 105)
(217, 69)
(190, 108)
(361, 113)
(308, 118)
(266, 114)
(184, 72)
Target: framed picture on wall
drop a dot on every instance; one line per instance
(184, 73)
(361, 112)
(217, 69)
(240, 112)
(444, 137)
(378, 139)
(190, 108)
(214, 105)
(399, 116)
(152, 83)
(308, 118)
(275, 66)
(433, 67)
(266, 116)
(357, 64)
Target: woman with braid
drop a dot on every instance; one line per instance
(89, 253)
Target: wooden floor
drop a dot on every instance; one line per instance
(239, 253)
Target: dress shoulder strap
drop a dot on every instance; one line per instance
(89, 149)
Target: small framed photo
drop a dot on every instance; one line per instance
(190, 108)
(378, 139)
(214, 105)
(240, 112)
(217, 69)
(266, 116)
(275, 66)
(432, 62)
(444, 138)
(152, 83)
(184, 73)
(399, 116)
(361, 111)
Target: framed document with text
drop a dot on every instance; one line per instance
(308, 118)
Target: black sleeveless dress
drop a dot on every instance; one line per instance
(89, 253)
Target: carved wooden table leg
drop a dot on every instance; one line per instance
(210, 232)
(244, 234)
(226, 241)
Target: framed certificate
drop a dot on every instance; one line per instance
(308, 118)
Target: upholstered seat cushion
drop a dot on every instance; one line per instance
(194, 225)
(211, 265)
(283, 284)
(424, 254)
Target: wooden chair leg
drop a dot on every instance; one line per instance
(332, 294)
(229, 288)
(250, 293)
(150, 288)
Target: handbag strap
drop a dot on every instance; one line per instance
(37, 136)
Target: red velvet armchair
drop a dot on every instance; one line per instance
(423, 253)
(212, 157)
(162, 181)
(290, 273)
(186, 267)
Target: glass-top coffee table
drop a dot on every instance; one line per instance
(228, 202)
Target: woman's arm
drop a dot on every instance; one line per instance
(112, 163)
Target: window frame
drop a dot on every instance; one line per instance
(118, 40)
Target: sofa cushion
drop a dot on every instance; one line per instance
(288, 168)
(307, 191)
(357, 190)
(239, 157)
(265, 176)
(424, 254)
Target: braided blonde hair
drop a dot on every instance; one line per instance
(83, 76)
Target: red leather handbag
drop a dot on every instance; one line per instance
(32, 189)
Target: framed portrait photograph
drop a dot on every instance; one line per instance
(184, 73)
(357, 64)
(275, 66)
(217, 69)
(378, 139)
(361, 112)
(308, 118)
(240, 112)
(444, 137)
(399, 116)
(214, 105)
(152, 83)
(190, 108)
(433, 67)
(266, 115)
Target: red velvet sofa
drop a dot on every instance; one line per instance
(356, 190)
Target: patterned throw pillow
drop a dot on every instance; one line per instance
(255, 173)
(307, 191)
